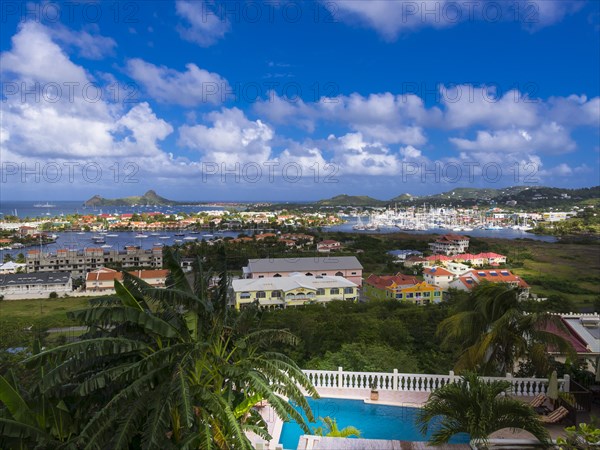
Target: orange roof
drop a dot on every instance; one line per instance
(498, 276)
(437, 272)
(385, 281)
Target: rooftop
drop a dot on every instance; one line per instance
(286, 284)
(303, 264)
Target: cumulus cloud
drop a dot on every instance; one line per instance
(230, 138)
(391, 18)
(201, 25)
(548, 138)
(193, 87)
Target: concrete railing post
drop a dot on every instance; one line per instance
(395, 380)
(340, 382)
(567, 385)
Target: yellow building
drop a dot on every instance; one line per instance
(295, 290)
(420, 294)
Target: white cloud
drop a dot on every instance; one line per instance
(203, 24)
(468, 105)
(548, 138)
(90, 44)
(355, 155)
(232, 138)
(193, 87)
(391, 18)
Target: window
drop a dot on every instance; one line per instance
(277, 275)
(244, 295)
(426, 294)
(399, 296)
(320, 291)
(276, 294)
(323, 274)
(308, 274)
(409, 295)
(339, 274)
(261, 276)
(261, 294)
(348, 290)
(353, 273)
(334, 291)
(436, 294)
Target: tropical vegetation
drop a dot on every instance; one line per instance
(330, 429)
(493, 331)
(159, 369)
(478, 408)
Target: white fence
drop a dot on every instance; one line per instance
(412, 382)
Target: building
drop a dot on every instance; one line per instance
(35, 285)
(328, 245)
(401, 255)
(438, 276)
(469, 280)
(583, 332)
(402, 287)
(12, 267)
(292, 290)
(103, 279)
(338, 266)
(450, 244)
(80, 262)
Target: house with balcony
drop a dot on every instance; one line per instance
(438, 276)
(293, 290)
(402, 287)
(328, 245)
(103, 279)
(469, 280)
(326, 266)
(35, 285)
(450, 244)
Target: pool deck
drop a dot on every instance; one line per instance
(392, 398)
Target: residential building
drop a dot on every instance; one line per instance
(338, 266)
(401, 255)
(583, 332)
(103, 279)
(438, 276)
(469, 280)
(80, 262)
(402, 287)
(292, 290)
(450, 244)
(12, 267)
(328, 245)
(35, 285)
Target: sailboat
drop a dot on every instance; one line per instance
(359, 225)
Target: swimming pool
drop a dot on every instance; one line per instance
(373, 421)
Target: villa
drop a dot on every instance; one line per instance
(469, 280)
(402, 287)
(103, 279)
(450, 244)
(438, 276)
(328, 245)
(339, 266)
(293, 290)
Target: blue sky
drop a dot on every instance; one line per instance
(294, 100)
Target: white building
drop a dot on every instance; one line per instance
(450, 244)
(294, 290)
(35, 285)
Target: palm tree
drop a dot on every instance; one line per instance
(493, 331)
(478, 408)
(175, 368)
(330, 429)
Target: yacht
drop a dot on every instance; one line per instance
(140, 236)
(98, 239)
(112, 235)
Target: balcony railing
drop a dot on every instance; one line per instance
(411, 382)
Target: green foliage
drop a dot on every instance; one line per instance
(583, 437)
(330, 429)
(494, 331)
(362, 357)
(477, 408)
(166, 368)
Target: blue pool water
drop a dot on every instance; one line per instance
(373, 421)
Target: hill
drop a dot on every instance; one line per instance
(149, 198)
(351, 200)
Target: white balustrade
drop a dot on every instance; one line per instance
(413, 382)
